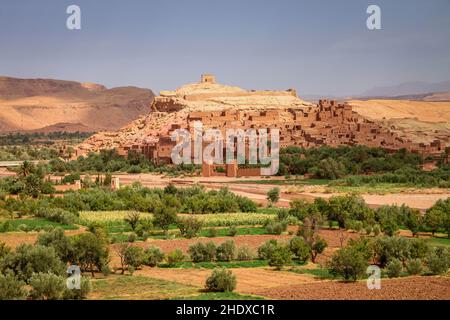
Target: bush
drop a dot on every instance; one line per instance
(438, 261)
(130, 256)
(201, 252)
(221, 280)
(276, 227)
(133, 219)
(90, 251)
(58, 215)
(58, 241)
(153, 256)
(47, 286)
(29, 259)
(280, 257)
(245, 254)
(79, 294)
(232, 231)
(300, 249)
(394, 268)
(189, 227)
(414, 266)
(132, 237)
(273, 195)
(226, 251)
(11, 288)
(376, 230)
(175, 257)
(212, 233)
(348, 263)
(266, 250)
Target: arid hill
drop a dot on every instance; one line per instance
(300, 123)
(45, 104)
(419, 121)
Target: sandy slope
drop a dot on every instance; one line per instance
(30, 104)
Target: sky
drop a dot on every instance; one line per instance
(317, 47)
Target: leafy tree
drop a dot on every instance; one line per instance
(29, 259)
(189, 227)
(153, 256)
(202, 252)
(280, 256)
(414, 266)
(58, 241)
(130, 256)
(438, 261)
(394, 268)
(221, 280)
(91, 251)
(348, 263)
(434, 219)
(133, 219)
(273, 195)
(309, 232)
(11, 288)
(266, 250)
(245, 253)
(47, 286)
(300, 249)
(175, 257)
(164, 216)
(226, 251)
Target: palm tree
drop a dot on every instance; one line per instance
(25, 168)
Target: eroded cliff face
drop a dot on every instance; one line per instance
(225, 107)
(35, 104)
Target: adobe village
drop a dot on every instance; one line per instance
(360, 183)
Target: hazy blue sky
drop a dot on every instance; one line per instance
(317, 47)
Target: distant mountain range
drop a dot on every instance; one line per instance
(408, 88)
(417, 90)
(58, 105)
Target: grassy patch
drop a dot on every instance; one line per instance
(318, 273)
(439, 241)
(138, 287)
(220, 296)
(35, 225)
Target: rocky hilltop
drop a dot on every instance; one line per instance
(221, 107)
(46, 104)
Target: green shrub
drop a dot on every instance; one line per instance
(276, 227)
(57, 215)
(131, 256)
(438, 261)
(23, 228)
(281, 256)
(245, 253)
(91, 252)
(189, 227)
(221, 280)
(394, 268)
(153, 256)
(212, 233)
(79, 294)
(202, 252)
(232, 232)
(300, 249)
(47, 286)
(29, 259)
(132, 237)
(348, 263)
(226, 251)
(175, 257)
(58, 241)
(11, 288)
(5, 226)
(265, 250)
(414, 266)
